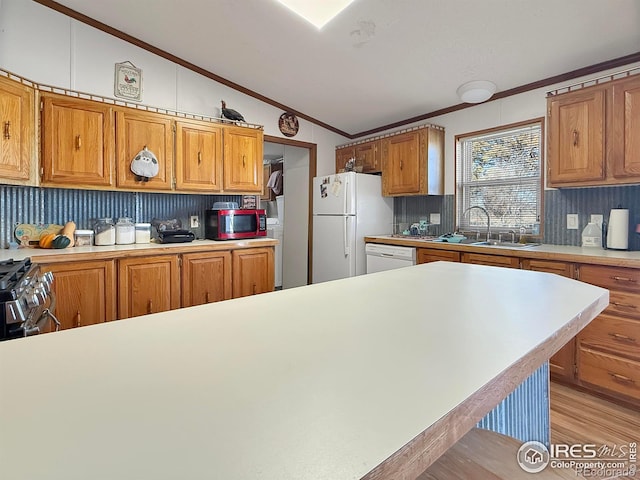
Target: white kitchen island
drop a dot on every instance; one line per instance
(367, 377)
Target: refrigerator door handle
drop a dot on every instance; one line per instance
(345, 226)
(346, 195)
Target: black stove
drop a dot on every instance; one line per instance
(26, 300)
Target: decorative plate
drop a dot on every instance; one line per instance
(288, 124)
(28, 234)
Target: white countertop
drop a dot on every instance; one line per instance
(319, 382)
(547, 251)
(73, 253)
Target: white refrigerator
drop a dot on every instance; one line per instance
(346, 208)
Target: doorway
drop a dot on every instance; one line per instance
(297, 161)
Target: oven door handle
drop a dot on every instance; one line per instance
(48, 312)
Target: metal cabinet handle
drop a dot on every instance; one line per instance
(199, 158)
(78, 319)
(7, 131)
(400, 164)
(623, 279)
(624, 305)
(243, 161)
(150, 306)
(622, 338)
(575, 138)
(621, 378)
(208, 297)
(78, 142)
(254, 289)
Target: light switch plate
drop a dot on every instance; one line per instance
(195, 221)
(434, 218)
(597, 218)
(572, 221)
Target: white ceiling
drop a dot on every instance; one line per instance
(379, 61)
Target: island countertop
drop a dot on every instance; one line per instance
(367, 377)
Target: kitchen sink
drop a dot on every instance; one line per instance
(495, 243)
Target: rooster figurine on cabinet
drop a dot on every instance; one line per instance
(231, 114)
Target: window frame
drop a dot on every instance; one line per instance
(457, 161)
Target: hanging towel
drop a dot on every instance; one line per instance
(275, 182)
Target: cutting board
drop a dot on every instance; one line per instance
(28, 234)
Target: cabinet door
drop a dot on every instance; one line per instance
(17, 122)
(243, 160)
(577, 137)
(368, 155)
(253, 271)
(343, 155)
(148, 285)
(206, 278)
(85, 292)
(267, 193)
(626, 125)
(563, 363)
(198, 157)
(136, 130)
(77, 141)
(400, 164)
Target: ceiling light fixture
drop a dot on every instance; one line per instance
(477, 91)
(318, 13)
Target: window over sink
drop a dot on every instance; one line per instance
(500, 170)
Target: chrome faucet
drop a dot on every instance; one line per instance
(488, 218)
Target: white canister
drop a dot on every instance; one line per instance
(125, 231)
(143, 232)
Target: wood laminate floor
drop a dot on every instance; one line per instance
(580, 418)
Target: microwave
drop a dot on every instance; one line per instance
(235, 223)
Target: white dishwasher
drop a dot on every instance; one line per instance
(387, 257)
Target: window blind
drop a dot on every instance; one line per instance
(501, 172)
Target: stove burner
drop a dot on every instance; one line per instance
(11, 272)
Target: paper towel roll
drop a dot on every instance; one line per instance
(618, 232)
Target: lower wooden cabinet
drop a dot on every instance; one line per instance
(253, 271)
(148, 285)
(563, 364)
(85, 292)
(206, 277)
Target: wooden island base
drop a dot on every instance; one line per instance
(486, 454)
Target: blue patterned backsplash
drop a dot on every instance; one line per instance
(56, 205)
(557, 204)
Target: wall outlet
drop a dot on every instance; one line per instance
(572, 221)
(195, 221)
(434, 218)
(597, 218)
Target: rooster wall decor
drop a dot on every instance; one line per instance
(231, 114)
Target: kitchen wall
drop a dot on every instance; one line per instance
(57, 205)
(49, 48)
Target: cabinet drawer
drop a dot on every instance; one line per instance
(612, 333)
(492, 260)
(624, 303)
(426, 255)
(609, 372)
(613, 278)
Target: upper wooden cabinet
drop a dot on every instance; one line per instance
(577, 137)
(17, 135)
(625, 148)
(368, 155)
(136, 130)
(413, 163)
(198, 156)
(593, 135)
(243, 160)
(343, 155)
(77, 142)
